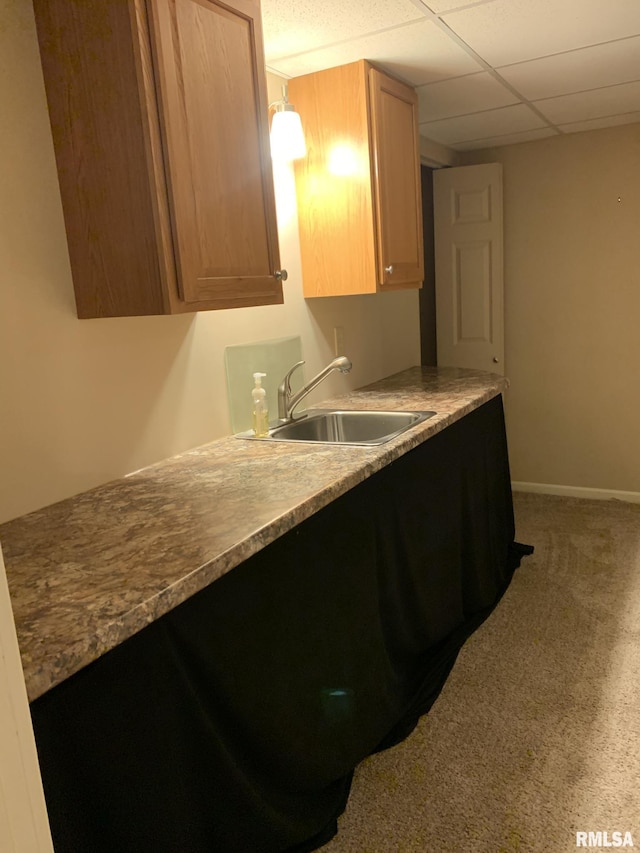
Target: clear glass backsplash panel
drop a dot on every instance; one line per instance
(275, 358)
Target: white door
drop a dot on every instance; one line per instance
(469, 267)
(24, 827)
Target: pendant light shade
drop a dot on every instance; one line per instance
(287, 136)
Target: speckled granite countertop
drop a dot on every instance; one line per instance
(88, 572)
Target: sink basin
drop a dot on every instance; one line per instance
(326, 426)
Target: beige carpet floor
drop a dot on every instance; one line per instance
(536, 735)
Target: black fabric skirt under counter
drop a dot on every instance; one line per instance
(233, 724)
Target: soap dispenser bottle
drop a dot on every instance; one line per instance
(260, 410)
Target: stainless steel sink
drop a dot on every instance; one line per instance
(327, 426)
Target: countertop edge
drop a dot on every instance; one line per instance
(44, 670)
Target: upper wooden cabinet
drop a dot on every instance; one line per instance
(359, 199)
(160, 128)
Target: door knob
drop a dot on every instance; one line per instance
(281, 275)
(496, 360)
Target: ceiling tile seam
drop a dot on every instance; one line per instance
(423, 7)
(449, 79)
(565, 52)
(271, 70)
(344, 41)
(428, 13)
(585, 91)
(547, 122)
(596, 118)
(558, 129)
(522, 102)
(498, 136)
(464, 8)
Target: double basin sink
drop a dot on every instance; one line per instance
(329, 426)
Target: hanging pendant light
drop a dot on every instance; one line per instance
(287, 136)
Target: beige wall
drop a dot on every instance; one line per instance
(572, 306)
(82, 402)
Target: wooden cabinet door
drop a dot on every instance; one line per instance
(394, 126)
(333, 182)
(209, 67)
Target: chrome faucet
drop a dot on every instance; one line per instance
(288, 401)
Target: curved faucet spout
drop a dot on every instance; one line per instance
(288, 401)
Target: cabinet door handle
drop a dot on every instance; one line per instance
(281, 275)
(389, 269)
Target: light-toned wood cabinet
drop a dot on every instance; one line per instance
(359, 198)
(160, 128)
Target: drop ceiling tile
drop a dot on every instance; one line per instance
(482, 125)
(507, 139)
(583, 106)
(508, 31)
(598, 123)
(418, 52)
(587, 68)
(294, 26)
(470, 94)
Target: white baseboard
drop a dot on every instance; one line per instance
(576, 492)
